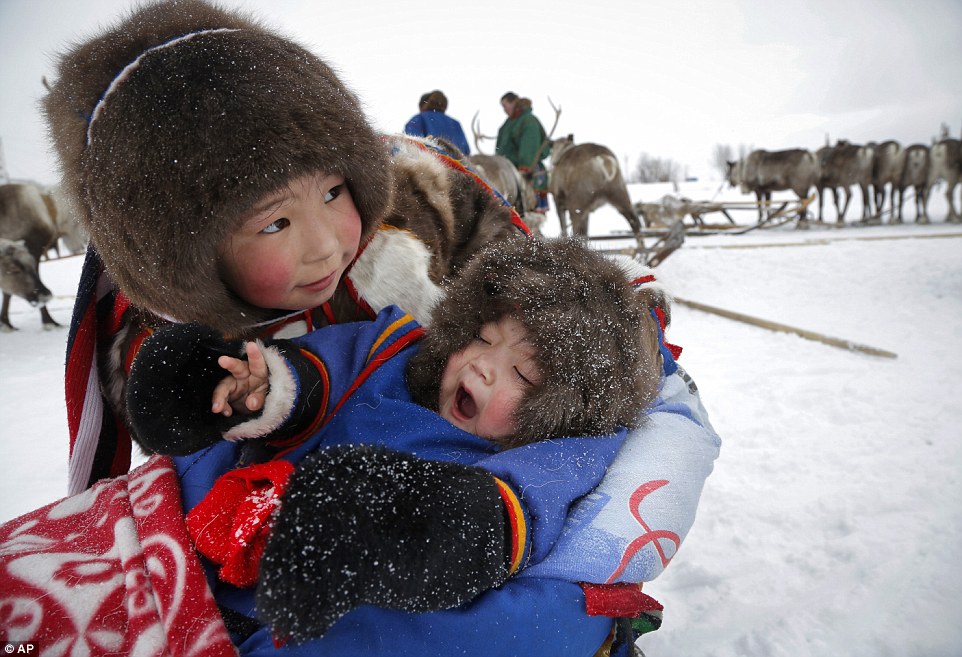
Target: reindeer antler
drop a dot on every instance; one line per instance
(547, 138)
(557, 115)
(476, 129)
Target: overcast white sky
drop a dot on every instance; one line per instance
(671, 79)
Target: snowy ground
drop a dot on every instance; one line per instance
(832, 524)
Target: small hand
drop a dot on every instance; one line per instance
(246, 388)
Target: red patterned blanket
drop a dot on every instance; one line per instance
(109, 571)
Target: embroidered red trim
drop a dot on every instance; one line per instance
(519, 528)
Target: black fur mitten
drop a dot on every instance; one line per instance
(170, 387)
(363, 524)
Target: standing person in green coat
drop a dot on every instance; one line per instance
(522, 140)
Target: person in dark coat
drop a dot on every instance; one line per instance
(431, 121)
(522, 139)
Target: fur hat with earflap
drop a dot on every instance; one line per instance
(595, 340)
(172, 124)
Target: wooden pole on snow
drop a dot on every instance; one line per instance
(785, 328)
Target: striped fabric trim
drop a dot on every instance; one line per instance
(98, 448)
(387, 333)
(84, 434)
(658, 314)
(381, 358)
(674, 349)
(121, 304)
(321, 417)
(80, 371)
(519, 527)
(413, 335)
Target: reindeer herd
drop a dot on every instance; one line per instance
(583, 177)
(879, 171)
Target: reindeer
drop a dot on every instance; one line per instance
(503, 176)
(764, 172)
(19, 277)
(24, 216)
(889, 163)
(945, 163)
(916, 174)
(841, 166)
(583, 178)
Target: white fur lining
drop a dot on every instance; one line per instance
(278, 404)
(393, 269)
(634, 270)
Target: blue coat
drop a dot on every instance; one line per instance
(530, 615)
(438, 124)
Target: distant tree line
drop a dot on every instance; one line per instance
(651, 169)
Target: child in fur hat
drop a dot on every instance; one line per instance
(193, 139)
(188, 136)
(532, 341)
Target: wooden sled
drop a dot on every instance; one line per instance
(776, 213)
(670, 239)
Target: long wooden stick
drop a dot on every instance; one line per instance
(818, 241)
(785, 328)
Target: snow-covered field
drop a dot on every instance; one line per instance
(832, 524)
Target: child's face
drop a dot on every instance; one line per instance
(294, 245)
(483, 383)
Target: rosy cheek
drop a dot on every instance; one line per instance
(346, 228)
(354, 231)
(499, 415)
(267, 279)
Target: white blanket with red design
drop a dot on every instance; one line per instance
(109, 571)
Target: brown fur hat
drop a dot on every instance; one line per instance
(596, 343)
(193, 114)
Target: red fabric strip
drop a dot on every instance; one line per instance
(618, 600)
(673, 348)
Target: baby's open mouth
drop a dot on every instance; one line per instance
(464, 403)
